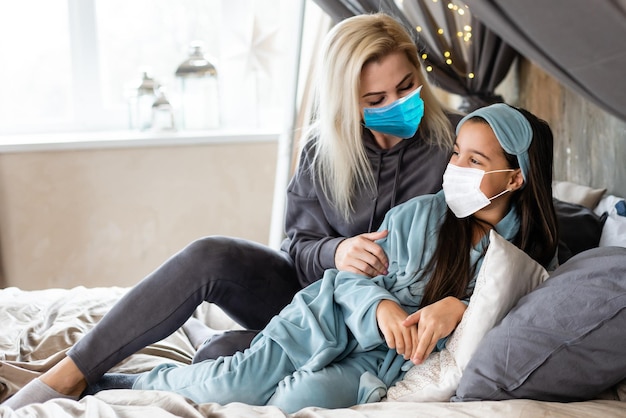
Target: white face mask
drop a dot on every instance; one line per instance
(461, 186)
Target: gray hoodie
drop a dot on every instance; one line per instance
(314, 227)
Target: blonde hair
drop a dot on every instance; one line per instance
(340, 161)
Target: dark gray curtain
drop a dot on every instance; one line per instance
(475, 67)
(582, 43)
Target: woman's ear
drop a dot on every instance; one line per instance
(516, 181)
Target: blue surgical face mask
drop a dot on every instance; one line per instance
(400, 118)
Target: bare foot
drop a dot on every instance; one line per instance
(65, 378)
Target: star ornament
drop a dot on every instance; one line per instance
(255, 46)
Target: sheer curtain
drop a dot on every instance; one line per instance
(461, 55)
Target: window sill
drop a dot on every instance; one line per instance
(130, 139)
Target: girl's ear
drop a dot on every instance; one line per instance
(516, 181)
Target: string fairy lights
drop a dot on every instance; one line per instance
(458, 23)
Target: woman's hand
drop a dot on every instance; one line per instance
(360, 254)
(434, 322)
(391, 318)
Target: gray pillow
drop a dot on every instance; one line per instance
(564, 341)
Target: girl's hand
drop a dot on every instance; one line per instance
(360, 254)
(434, 322)
(391, 318)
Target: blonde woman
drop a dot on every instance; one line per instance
(355, 166)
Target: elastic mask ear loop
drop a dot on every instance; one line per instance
(499, 194)
(500, 171)
(505, 190)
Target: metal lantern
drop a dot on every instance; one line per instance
(199, 104)
(140, 100)
(162, 115)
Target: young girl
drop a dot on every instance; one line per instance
(346, 337)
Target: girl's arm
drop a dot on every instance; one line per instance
(432, 323)
(391, 318)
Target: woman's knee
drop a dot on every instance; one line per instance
(216, 260)
(222, 253)
(215, 248)
(251, 282)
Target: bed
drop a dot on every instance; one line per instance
(39, 326)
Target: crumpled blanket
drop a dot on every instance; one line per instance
(37, 327)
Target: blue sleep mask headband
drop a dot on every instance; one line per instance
(511, 128)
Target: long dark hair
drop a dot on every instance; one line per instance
(450, 267)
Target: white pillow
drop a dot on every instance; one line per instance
(614, 228)
(613, 231)
(577, 193)
(507, 274)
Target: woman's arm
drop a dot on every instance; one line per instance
(314, 244)
(362, 255)
(311, 240)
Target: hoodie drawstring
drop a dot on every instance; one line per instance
(395, 185)
(373, 214)
(396, 178)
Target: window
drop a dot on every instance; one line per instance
(35, 74)
(69, 65)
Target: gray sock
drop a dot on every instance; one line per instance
(198, 332)
(111, 381)
(35, 391)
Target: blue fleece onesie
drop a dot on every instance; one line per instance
(325, 348)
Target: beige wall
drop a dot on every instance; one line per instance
(109, 216)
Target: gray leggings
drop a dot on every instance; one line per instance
(249, 281)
